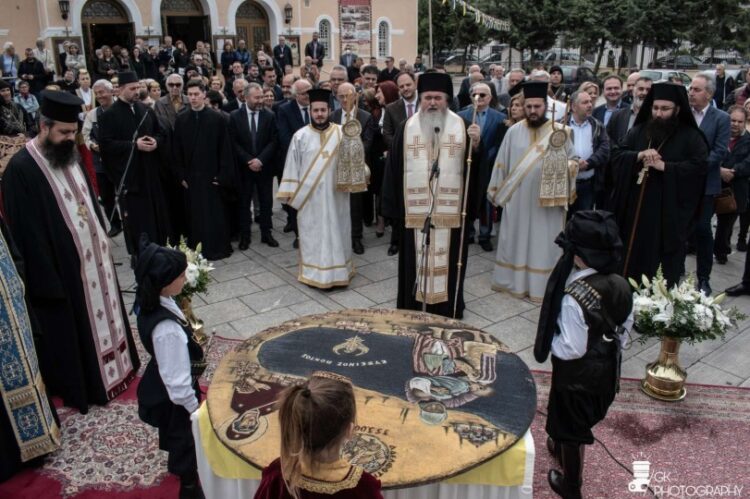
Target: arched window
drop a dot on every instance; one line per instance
(384, 39)
(324, 35)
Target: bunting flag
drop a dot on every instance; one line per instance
(479, 16)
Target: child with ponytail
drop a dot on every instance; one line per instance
(316, 419)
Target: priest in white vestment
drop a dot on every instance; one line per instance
(534, 182)
(309, 186)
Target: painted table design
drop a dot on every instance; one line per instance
(435, 397)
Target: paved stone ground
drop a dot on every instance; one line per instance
(258, 288)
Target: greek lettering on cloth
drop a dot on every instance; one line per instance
(419, 154)
(97, 272)
(21, 384)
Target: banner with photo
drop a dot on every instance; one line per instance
(355, 18)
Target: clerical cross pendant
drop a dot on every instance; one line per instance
(417, 146)
(642, 175)
(83, 212)
(452, 146)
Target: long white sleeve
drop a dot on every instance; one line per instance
(88, 124)
(173, 359)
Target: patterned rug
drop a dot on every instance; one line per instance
(692, 448)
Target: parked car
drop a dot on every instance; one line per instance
(490, 59)
(660, 75)
(728, 61)
(457, 64)
(683, 61)
(573, 76)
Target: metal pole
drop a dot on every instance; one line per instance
(429, 20)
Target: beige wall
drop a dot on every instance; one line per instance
(26, 20)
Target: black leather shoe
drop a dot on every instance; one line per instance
(738, 290)
(742, 245)
(721, 259)
(486, 245)
(269, 240)
(244, 243)
(295, 244)
(288, 228)
(704, 286)
(114, 231)
(358, 247)
(392, 250)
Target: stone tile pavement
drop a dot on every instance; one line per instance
(258, 288)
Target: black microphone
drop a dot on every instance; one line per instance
(435, 172)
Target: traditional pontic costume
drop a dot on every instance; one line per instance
(309, 186)
(534, 182)
(168, 392)
(85, 346)
(409, 190)
(584, 322)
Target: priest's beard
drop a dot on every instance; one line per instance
(432, 120)
(658, 130)
(59, 155)
(536, 121)
(321, 126)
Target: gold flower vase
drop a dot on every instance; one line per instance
(665, 378)
(186, 305)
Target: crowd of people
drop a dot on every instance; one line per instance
(175, 143)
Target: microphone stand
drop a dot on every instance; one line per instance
(121, 190)
(427, 227)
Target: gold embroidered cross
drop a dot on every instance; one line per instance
(452, 146)
(417, 146)
(83, 212)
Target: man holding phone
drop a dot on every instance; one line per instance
(131, 125)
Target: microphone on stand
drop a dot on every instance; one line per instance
(435, 172)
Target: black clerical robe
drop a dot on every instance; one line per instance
(671, 199)
(203, 160)
(66, 348)
(392, 193)
(142, 201)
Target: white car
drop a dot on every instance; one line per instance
(660, 75)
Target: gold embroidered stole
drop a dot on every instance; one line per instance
(419, 154)
(328, 153)
(557, 187)
(97, 272)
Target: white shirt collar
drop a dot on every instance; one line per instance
(580, 274)
(702, 112)
(169, 303)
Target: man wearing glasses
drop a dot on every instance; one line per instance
(659, 173)
(167, 107)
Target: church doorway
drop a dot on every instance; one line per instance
(253, 27)
(185, 20)
(105, 22)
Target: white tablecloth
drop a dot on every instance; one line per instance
(216, 487)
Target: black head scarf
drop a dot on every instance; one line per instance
(595, 238)
(157, 267)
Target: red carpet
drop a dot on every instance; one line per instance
(702, 441)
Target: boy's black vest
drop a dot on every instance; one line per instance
(152, 394)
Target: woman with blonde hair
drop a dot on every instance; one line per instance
(592, 88)
(74, 59)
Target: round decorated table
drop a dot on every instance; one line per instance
(440, 405)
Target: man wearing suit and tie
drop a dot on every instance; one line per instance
(291, 116)
(489, 120)
(315, 50)
(347, 97)
(715, 125)
(282, 54)
(395, 114)
(612, 86)
(253, 133)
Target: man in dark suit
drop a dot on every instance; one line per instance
(623, 120)
(269, 82)
(254, 137)
(282, 54)
(238, 90)
(395, 114)
(347, 97)
(237, 73)
(489, 120)
(612, 89)
(292, 116)
(315, 50)
(389, 72)
(714, 124)
(348, 57)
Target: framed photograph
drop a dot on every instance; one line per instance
(355, 25)
(293, 42)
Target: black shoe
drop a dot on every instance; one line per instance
(568, 483)
(721, 259)
(114, 231)
(244, 243)
(288, 228)
(358, 247)
(554, 449)
(269, 240)
(486, 245)
(738, 290)
(690, 250)
(392, 250)
(742, 245)
(190, 487)
(704, 286)
(295, 244)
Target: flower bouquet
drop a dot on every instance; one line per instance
(676, 315)
(196, 281)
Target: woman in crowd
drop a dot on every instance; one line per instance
(268, 99)
(386, 93)
(154, 89)
(228, 57)
(137, 63)
(108, 66)
(123, 58)
(74, 59)
(181, 57)
(592, 89)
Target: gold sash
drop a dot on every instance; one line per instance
(418, 157)
(330, 139)
(517, 174)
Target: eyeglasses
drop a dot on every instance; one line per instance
(481, 96)
(174, 84)
(656, 109)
